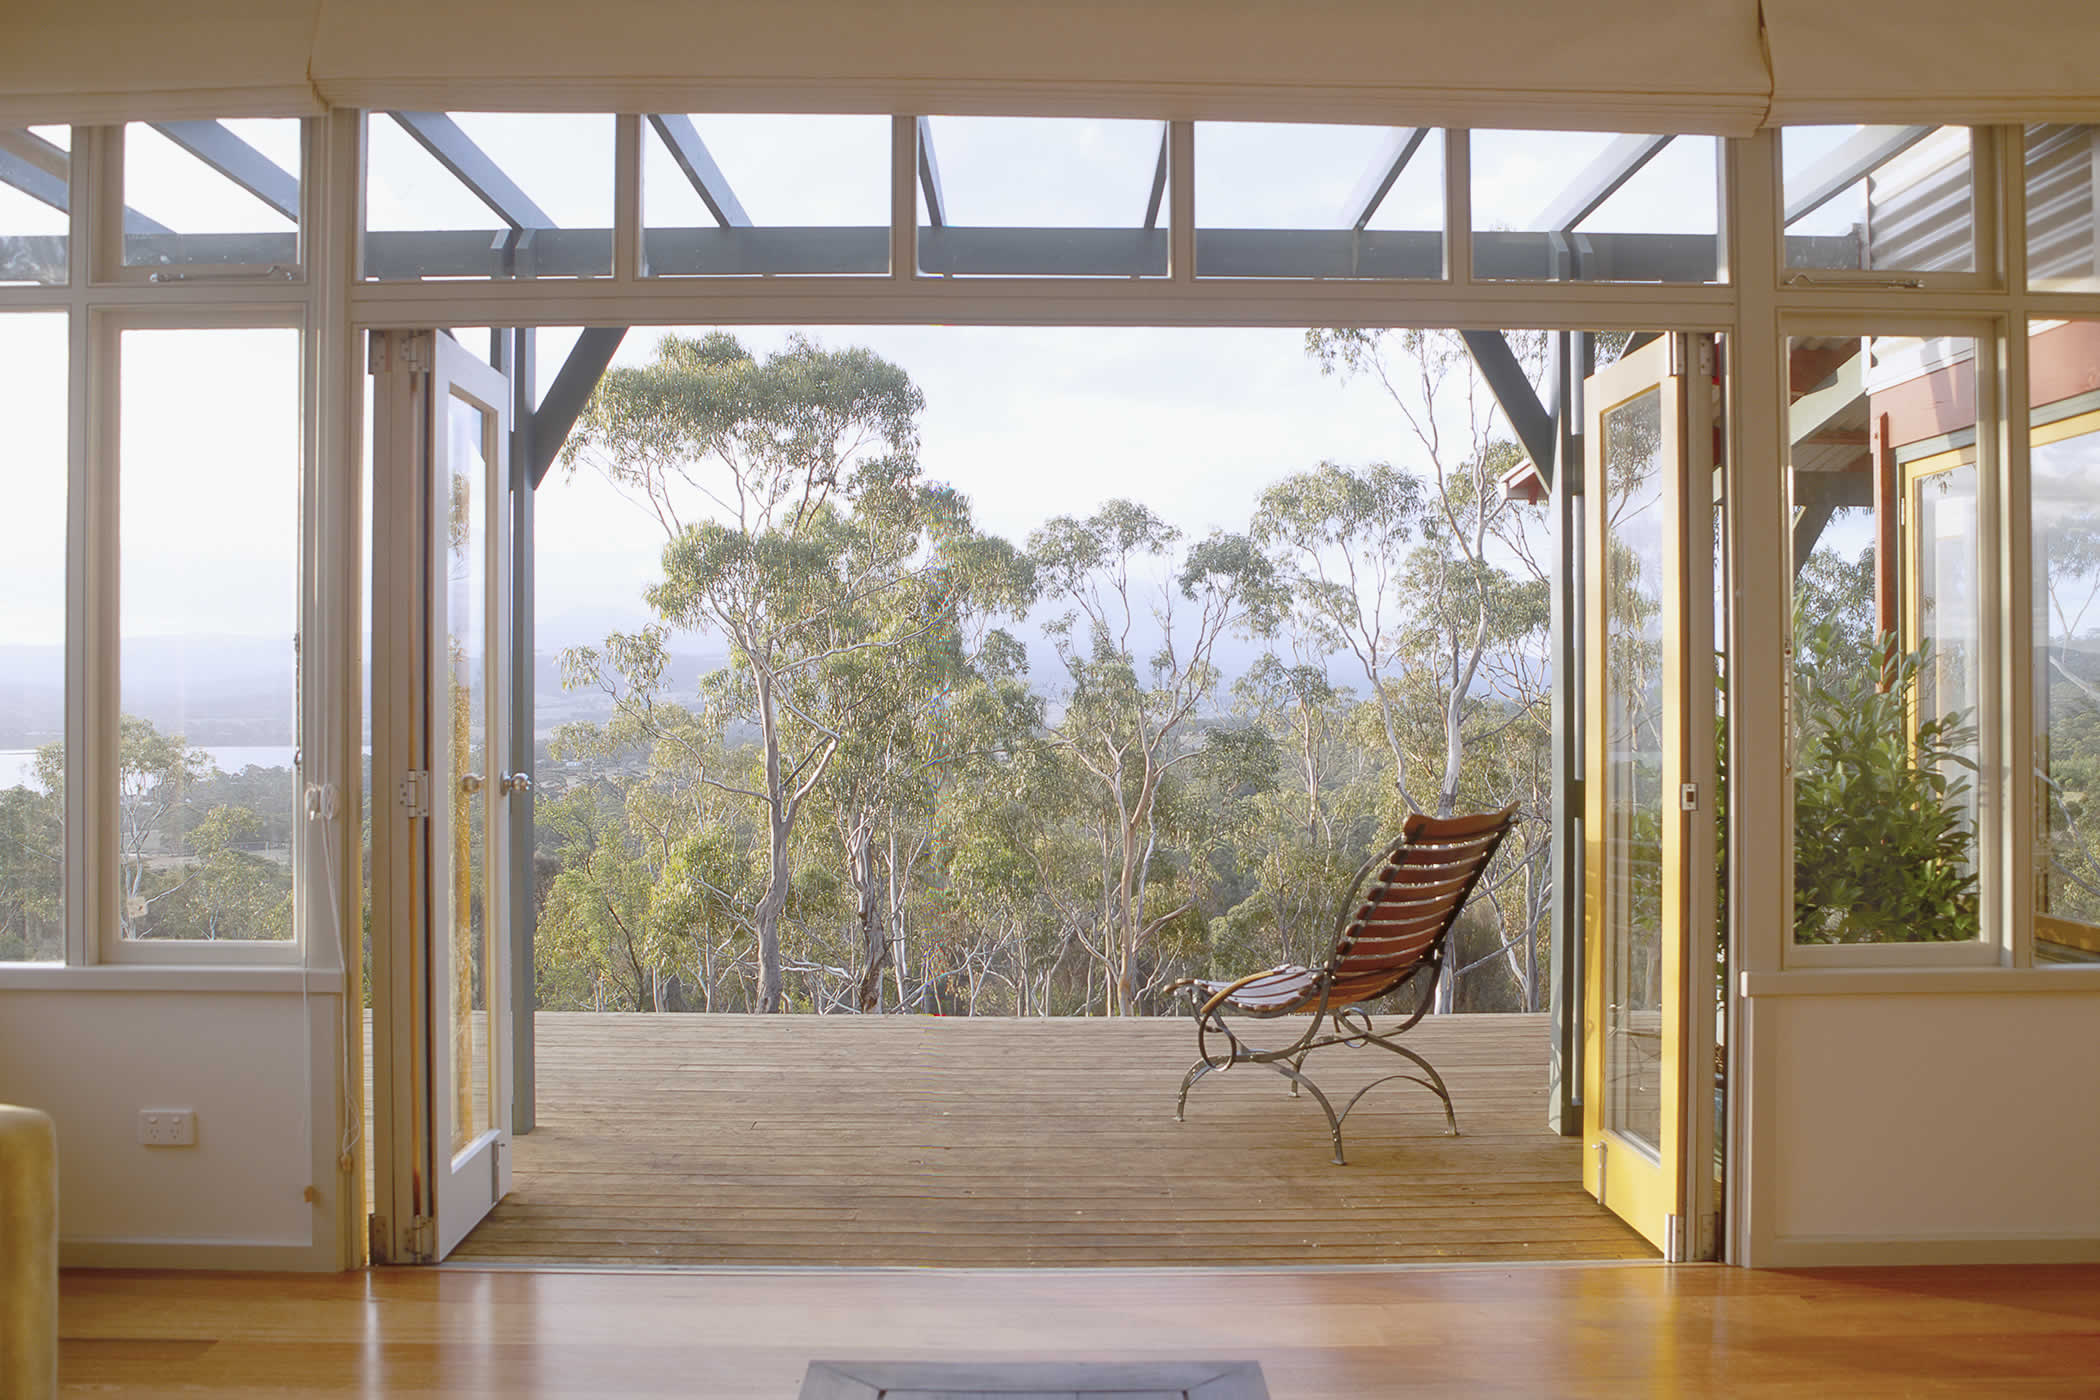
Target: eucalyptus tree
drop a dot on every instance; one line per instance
(1456, 659)
(1125, 719)
(798, 530)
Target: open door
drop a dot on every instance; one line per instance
(1648, 787)
(441, 809)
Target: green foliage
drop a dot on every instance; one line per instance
(1884, 850)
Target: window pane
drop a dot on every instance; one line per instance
(33, 641)
(477, 194)
(730, 196)
(1887, 620)
(208, 601)
(222, 193)
(1278, 200)
(2064, 455)
(1584, 206)
(35, 193)
(1632, 896)
(1887, 198)
(2062, 252)
(1042, 197)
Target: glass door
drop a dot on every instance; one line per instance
(441, 801)
(470, 794)
(1648, 789)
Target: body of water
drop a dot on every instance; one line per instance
(18, 766)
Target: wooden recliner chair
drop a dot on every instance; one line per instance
(1391, 929)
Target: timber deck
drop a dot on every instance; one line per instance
(910, 1140)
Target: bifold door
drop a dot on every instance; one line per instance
(1648, 778)
(440, 797)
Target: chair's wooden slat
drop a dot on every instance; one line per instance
(1402, 916)
(1426, 828)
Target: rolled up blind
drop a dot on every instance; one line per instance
(109, 61)
(1639, 65)
(1622, 65)
(1933, 61)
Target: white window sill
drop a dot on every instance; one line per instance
(1922, 981)
(133, 977)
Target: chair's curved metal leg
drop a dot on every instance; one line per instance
(1334, 1124)
(1188, 1082)
(1435, 1082)
(1298, 1064)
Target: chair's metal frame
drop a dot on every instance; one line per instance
(1350, 1025)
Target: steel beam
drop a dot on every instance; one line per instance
(1808, 529)
(392, 255)
(1569, 363)
(1862, 153)
(1159, 176)
(1600, 180)
(1377, 182)
(1520, 401)
(930, 177)
(683, 141)
(217, 146)
(471, 166)
(569, 392)
(516, 355)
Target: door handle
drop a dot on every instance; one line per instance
(514, 784)
(470, 783)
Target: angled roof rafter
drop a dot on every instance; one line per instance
(1852, 161)
(1377, 182)
(1600, 180)
(1159, 176)
(930, 177)
(217, 146)
(682, 139)
(41, 170)
(438, 134)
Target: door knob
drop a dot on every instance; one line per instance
(514, 784)
(470, 783)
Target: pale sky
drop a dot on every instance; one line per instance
(1028, 422)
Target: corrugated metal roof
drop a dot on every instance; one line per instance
(2060, 232)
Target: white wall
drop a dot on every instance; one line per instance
(1955, 1121)
(92, 1056)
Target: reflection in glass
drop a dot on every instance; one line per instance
(2062, 254)
(1633, 755)
(208, 615)
(1887, 618)
(1297, 200)
(33, 643)
(2065, 457)
(744, 196)
(1946, 608)
(532, 196)
(34, 200)
(212, 193)
(1042, 197)
(467, 650)
(1581, 206)
(1895, 198)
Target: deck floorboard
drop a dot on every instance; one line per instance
(798, 1140)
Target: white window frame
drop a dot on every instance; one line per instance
(101, 635)
(1755, 307)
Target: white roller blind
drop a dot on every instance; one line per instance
(1638, 65)
(1938, 61)
(1625, 65)
(108, 61)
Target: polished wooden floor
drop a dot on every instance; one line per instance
(800, 1140)
(1604, 1330)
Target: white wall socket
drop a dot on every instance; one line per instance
(168, 1127)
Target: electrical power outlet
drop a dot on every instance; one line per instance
(168, 1127)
